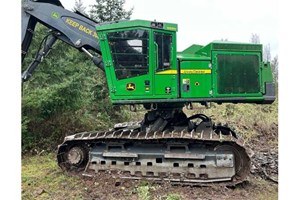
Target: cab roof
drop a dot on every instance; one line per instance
(136, 23)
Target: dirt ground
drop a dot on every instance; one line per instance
(255, 188)
(105, 187)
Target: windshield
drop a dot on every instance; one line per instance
(129, 52)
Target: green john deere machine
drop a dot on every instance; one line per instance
(142, 66)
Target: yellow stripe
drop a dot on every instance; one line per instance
(186, 71)
(170, 71)
(195, 71)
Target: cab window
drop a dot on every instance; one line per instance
(129, 52)
(163, 44)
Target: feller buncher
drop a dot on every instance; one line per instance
(142, 66)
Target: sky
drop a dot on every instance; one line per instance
(203, 21)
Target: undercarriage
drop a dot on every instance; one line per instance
(166, 145)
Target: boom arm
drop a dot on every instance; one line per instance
(72, 28)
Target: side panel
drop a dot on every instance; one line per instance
(195, 79)
(267, 76)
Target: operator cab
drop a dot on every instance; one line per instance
(136, 53)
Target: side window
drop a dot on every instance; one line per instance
(129, 51)
(163, 48)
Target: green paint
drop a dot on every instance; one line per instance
(144, 55)
(200, 84)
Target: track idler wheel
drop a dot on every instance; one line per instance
(76, 157)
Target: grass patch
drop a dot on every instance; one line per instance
(43, 179)
(269, 191)
(173, 197)
(143, 192)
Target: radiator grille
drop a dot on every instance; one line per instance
(238, 74)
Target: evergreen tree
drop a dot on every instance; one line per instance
(109, 10)
(79, 7)
(67, 93)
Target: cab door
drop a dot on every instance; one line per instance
(129, 68)
(164, 63)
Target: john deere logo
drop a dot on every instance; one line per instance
(130, 86)
(55, 15)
